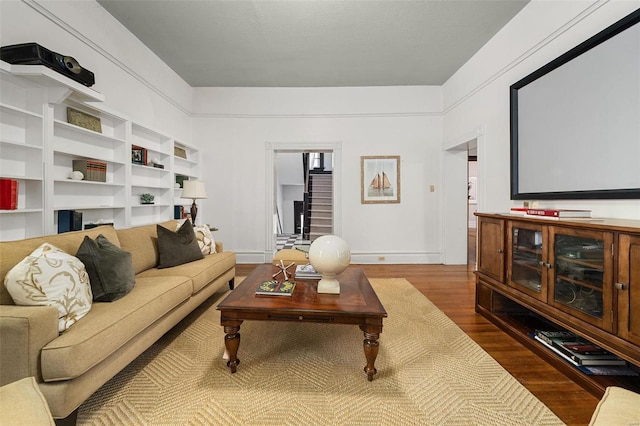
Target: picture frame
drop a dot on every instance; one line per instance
(84, 120)
(380, 179)
(137, 155)
(180, 152)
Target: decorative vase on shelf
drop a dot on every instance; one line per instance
(329, 255)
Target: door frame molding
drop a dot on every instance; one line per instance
(271, 149)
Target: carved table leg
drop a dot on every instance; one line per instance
(371, 346)
(232, 342)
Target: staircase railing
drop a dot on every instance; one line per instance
(306, 208)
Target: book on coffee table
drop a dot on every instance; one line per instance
(307, 272)
(276, 288)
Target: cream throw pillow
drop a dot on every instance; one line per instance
(51, 277)
(205, 238)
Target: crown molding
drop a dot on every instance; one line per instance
(334, 115)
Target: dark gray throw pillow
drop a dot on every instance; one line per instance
(176, 248)
(109, 268)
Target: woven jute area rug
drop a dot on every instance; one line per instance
(429, 373)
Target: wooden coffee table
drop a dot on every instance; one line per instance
(356, 304)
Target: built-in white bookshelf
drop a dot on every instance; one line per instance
(38, 147)
(98, 201)
(186, 166)
(153, 176)
(22, 154)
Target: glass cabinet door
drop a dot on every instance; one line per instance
(580, 284)
(526, 262)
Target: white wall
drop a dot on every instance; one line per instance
(405, 121)
(477, 96)
(290, 193)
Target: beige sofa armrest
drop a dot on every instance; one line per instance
(24, 331)
(618, 406)
(22, 403)
(219, 247)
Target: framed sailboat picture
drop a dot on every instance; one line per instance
(380, 179)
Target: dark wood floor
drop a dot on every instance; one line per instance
(452, 289)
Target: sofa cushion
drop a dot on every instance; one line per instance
(51, 277)
(110, 325)
(109, 267)
(142, 243)
(201, 272)
(12, 252)
(176, 248)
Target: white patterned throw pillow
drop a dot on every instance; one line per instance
(205, 238)
(51, 277)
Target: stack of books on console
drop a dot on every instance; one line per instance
(307, 272)
(576, 350)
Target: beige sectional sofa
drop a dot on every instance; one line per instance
(70, 366)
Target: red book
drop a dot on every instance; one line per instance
(519, 210)
(559, 213)
(8, 194)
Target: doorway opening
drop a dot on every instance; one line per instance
(303, 183)
(304, 197)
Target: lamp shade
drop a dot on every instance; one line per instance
(193, 189)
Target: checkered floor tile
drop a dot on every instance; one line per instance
(290, 241)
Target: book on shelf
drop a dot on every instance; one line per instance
(276, 288)
(608, 370)
(307, 271)
(584, 348)
(518, 210)
(178, 212)
(562, 341)
(559, 213)
(8, 194)
(92, 170)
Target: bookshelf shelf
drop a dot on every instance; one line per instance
(20, 211)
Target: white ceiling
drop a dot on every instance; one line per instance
(314, 43)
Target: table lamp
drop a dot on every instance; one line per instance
(193, 189)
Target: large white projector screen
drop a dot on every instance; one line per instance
(575, 123)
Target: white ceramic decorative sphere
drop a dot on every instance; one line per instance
(329, 255)
(76, 175)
